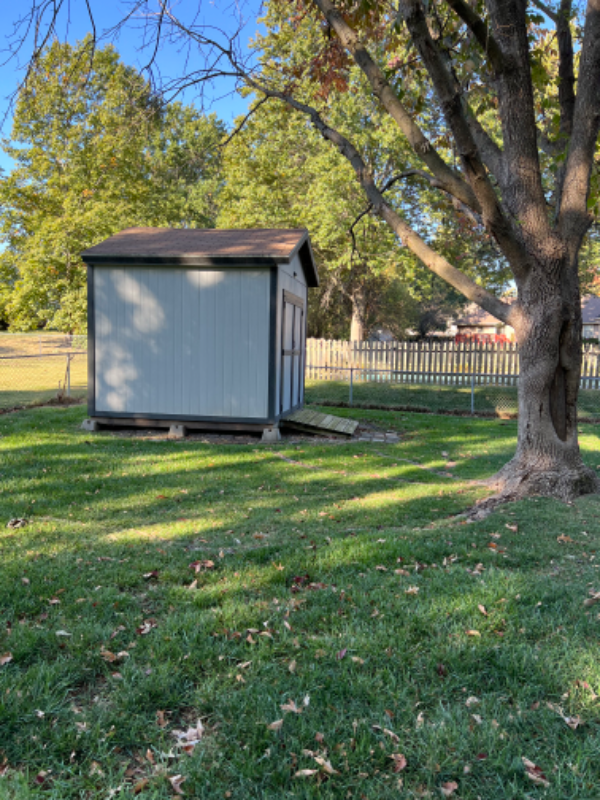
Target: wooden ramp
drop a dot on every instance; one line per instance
(321, 424)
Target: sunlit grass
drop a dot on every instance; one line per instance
(349, 578)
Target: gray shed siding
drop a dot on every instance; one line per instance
(182, 341)
(297, 285)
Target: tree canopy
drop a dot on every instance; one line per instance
(95, 152)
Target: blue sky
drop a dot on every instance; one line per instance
(171, 60)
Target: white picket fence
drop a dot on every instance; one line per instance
(430, 361)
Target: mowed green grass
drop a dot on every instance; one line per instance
(26, 381)
(314, 667)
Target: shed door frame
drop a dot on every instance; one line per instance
(296, 352)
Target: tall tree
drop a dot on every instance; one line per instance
(532, 185)
(95, 152)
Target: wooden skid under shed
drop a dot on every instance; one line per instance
(321, 424)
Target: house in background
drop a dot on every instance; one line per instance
(590, 312)
(476, 325)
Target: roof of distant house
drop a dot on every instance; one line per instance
(206, 247)
(476, 317)
(590, 308)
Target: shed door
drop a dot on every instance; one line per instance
(291, 392)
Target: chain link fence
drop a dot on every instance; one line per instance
(40, 368)
(477, 394)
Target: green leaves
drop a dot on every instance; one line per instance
(95, 153)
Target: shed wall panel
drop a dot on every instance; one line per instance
(182, 341)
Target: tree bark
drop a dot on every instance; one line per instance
(548, 328)
(357, 325)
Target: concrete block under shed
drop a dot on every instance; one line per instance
(89, 425)
(270, 435)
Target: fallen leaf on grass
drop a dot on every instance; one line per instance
(190, 738)
(161, 719)
(141, 785)
(112, 657)
(448, 789)
(381, 568)
(572, 722)
(562, 539)
(5, 658)
(152, 574)
(25, 581)
(275, 726)
(198, 566)
(341, 654)
(176, 782)
(43, 778)
(472, 632)
(401, 572)
(291, 706)
(399, 761)
(412, 590)
(326, 765)
(305, 773)
(534, 773)
(357, 659)
(472, 701)
(592, 600)
(146, 627)
(482, 609)
(63, 633)
(510, 527)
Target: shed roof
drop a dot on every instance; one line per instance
(206, 247)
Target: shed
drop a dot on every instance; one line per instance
(198, 328)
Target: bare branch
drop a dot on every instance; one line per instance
(239, 127)
(481, 32)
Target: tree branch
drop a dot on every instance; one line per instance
(481, 31)
(449, 96)
(574, 219)
(432, 260)
(546, 10)
(453, 183)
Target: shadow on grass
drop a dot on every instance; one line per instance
(253, 634)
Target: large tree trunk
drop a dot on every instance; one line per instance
(548, 461)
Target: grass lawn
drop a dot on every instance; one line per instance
(337, 629)
(31, 380)
(488, 400)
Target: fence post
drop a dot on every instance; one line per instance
(351, 383)
(68, 375)
(472, 394)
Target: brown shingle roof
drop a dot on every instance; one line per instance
(206, 247)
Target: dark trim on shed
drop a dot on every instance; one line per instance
(91, 343)
(175, 418)
(272, 387)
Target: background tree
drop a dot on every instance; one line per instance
(95, 152)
